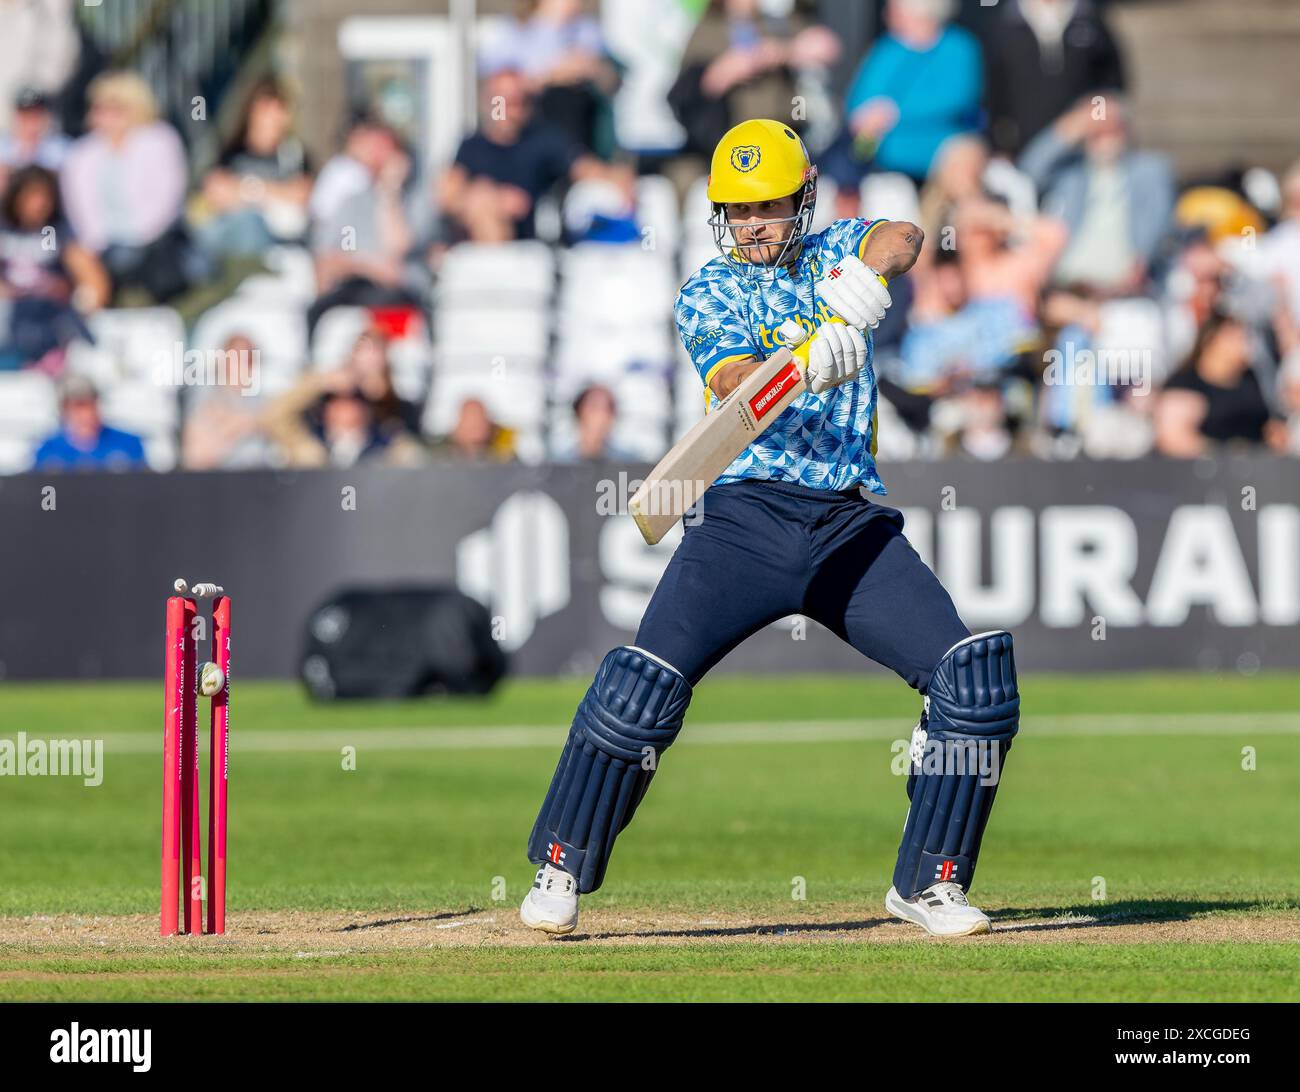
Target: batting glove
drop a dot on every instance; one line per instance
(836, 355)
(854, 292)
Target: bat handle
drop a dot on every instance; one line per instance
(798, 340)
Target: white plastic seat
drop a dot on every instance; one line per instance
(491, 329)
(657, 209)
(29, 404)
(16, 453)
(130, 343)
(520, 272)
(335, 334)
(890, 196)
(291, 280)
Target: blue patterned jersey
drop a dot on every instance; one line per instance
(827, 440)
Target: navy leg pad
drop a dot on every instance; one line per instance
(972, 714)
(629, 717)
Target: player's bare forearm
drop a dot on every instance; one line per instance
(893, 247)
(730, 376)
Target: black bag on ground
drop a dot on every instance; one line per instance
(399, 642)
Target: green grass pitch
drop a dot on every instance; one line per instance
(1140, 850)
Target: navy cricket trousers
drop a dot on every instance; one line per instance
(766, 550)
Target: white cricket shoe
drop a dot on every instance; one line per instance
(551, 904)
(941, 909)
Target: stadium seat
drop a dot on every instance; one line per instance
(688, 396)
(895, 441)
(824, 214)
(621, 285)
(29, 412)
(697, 252)
(291, 280)
(891, 196)
(1136, 325)
(604, 352)
(657, 209)
(489, 328)
(135, 343)
(336, 333)
(410, 360)
(696, 211)
(519, 273)
(16, 453)
(641, 391)
(1005, 180)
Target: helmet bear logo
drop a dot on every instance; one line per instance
(745, 157)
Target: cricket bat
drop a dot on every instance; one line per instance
(682, 476)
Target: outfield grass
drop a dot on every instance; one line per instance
(1167, 822)
(844, 972)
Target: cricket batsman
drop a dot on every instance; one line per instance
(789, 528)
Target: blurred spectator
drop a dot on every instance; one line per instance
(370, 367)
(740, 63)
(1276, 257)
(1193, 290)
(974, 309)
(978, 423)
(33, 138)
(1216, 397)
(223, 426)
(47, 280)
(595, 413)
(918, 86)
(957, 173)
(599, 211)
(1288, 389)
(39, 49)
(1006, 262)
(475, 436)
(1042, 57)
(560, 52)
(362, 233)
(935, 351)
(489, 194)
(124, 188)
(84, 442)
(1099, 413)
(963, 168)
(1115, 201)
(345, 415)
(973, 316)
(257, 194)
(1220, 211)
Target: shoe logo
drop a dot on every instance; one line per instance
(945, 871)
(554, 853)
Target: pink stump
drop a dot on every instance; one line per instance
(219, 771)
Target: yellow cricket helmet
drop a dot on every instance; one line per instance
(758, 160)
(761, 160)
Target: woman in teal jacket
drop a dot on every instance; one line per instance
(920, 84)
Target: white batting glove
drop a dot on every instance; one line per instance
(854, 292)
(837, 354)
